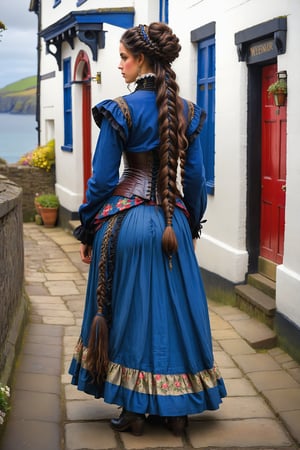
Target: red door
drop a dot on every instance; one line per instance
(273, 172)
(82, 72)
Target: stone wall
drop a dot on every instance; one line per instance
(32, 180)
(13, 304)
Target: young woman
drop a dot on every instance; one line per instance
(146, 342)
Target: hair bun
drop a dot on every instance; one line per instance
(165, 42)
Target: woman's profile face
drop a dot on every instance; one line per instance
(129, 65)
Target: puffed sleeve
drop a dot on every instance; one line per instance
(106, 163)
(111, 110)
(194, 187)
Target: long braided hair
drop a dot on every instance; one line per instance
(161, 47)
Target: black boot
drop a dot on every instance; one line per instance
(129, 421)
(177, 424)
(154, 419)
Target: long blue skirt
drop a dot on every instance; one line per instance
(160, 345)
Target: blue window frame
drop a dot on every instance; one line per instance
(164, 11)
(68, 132)
(80, 2)
(206, 99)
(56, 3)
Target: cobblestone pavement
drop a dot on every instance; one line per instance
(262, 409)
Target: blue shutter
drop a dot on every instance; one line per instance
(164, 11)
(68, 134)
(206, 99)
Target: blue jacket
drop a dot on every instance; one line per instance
(116, 137)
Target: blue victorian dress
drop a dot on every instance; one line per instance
(160, 346)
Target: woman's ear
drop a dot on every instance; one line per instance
(141, 59)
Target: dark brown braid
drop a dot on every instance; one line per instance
(97, 354)
(161, 47)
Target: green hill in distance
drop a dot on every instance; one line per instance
(19, 97)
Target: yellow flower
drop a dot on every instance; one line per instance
(42, 157)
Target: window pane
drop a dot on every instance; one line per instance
(68, 135)
(206, 100)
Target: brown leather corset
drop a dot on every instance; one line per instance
(139, 176)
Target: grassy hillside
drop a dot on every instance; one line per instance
(21, 85)
(19, 97)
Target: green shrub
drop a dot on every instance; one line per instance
(47, 200)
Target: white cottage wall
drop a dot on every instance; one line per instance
(222, 248)
(288, 274)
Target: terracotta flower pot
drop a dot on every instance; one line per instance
(49, 216)
(279, 98)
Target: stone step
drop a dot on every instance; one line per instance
(257, 334)
(256, 303)
(73, 224)
(262, 283)
(267, 268)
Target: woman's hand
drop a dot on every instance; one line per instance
(86, 253)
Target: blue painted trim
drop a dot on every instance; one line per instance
(87, 26)
(167, 11)
(56, 3)
(67, 148)
(80, 2)
(206, 99)
(68, 116)
(164, 11)
(122, 19)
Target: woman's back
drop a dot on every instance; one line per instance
(143, 134)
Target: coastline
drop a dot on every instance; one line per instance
(18, 135)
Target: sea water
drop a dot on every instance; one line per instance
(18, 136)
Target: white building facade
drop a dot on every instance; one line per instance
(231, 52)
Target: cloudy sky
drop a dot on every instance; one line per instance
(18, 57)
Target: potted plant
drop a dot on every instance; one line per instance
(48, 208)
(279, 91)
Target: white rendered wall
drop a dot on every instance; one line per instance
(222, 248)
(288, 274)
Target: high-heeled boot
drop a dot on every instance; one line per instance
(154, 419)
(129, 421)
(177, 424)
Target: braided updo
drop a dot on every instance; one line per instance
(161, 47)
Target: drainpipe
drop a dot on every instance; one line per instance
(36, 6)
